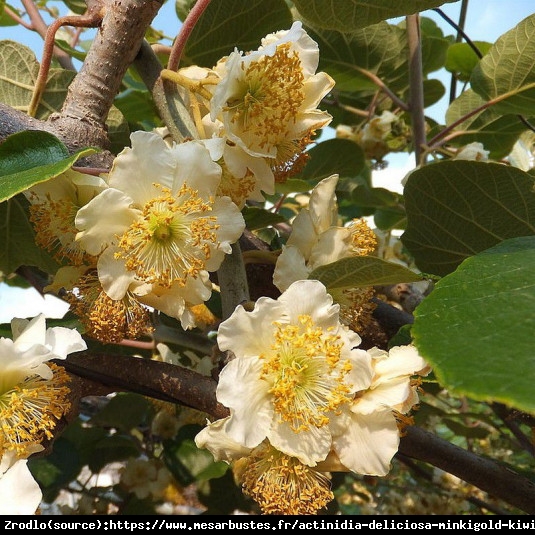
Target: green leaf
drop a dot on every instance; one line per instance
(257, 218)
(461, 58)
(379, 49)
(30, 157)
(507, 72)
(18, 239)
(340, 156)
(496, 131)
(111, 449)
(240, 23)
(5, 19)
(18, 74)
(360, 271)
(125, 411)
(351, 14)
(456, 209)
(476, 327)
(30, 149)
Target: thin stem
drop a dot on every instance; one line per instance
(379, 83)
(39, 25)
(180, 42)
(507, 417)
(416, 86)
(83, 21)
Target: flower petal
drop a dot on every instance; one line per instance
(367, 443)
(241, 389)
(108, 215)
(310, 446)
(290, 267)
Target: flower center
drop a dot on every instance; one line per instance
(172, 239)
(283, 485)
(270, 96)
(29, 411)
(306, 373)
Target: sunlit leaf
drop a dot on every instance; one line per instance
(18, 75)
(461, 58)
(476, 327)
(456, 209)
(496, 131)
(30, 157)
(507, 72)
(359, 271)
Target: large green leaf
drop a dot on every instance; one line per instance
(361, 271)
(18, 74)
(347, 15)
(17, 239)
(456, 209)
(461, 58)
(496, 131)
(476, 327)
(30, 157)
(334, 156)
(378, 48)
(507, 72)
(240, 23)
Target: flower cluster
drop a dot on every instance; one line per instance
(262, 110)
(300, 385)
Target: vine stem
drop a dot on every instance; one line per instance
(416, 97)
(90, 20)
(180, 42)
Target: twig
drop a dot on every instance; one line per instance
(486, 474)
(416, 96)
(506, 416)
(187, 27)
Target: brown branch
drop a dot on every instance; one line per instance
(92, 91)
(485, 474)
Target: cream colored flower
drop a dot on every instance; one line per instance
(33, 392)
(53, 208)
(279, 483)
(146, 477)
(20, 494)
(296, 369)
(367, 437)
(473, 151)
(159, 229)
(268, 98)
(317, 240)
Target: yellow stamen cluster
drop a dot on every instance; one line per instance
(103, 318)
(172, 238)
(363, 239)
(282, 485)
(291, 157)
(238, 189)
(356, 309)
(306, 373)
(29, 411)
(55, 231)
(272, 95)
